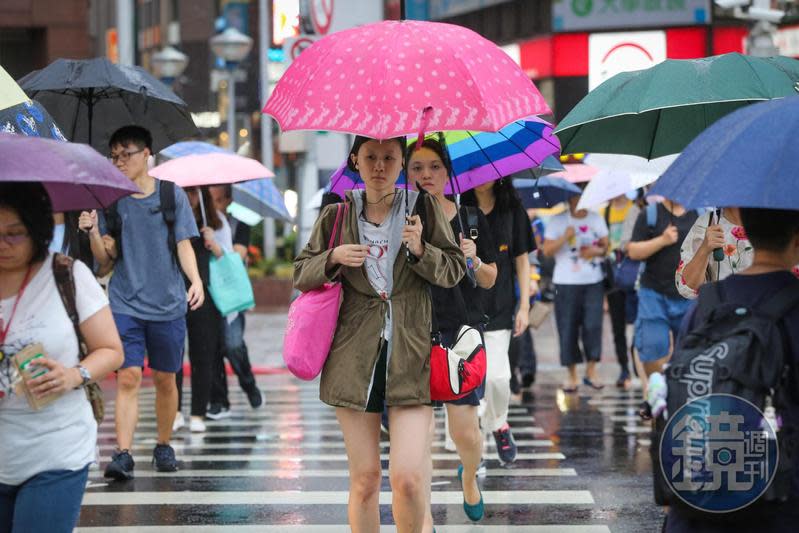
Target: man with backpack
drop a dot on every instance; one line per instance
(752, 318)
(660, 307)
(148, 296)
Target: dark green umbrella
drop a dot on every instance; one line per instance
(659, 110)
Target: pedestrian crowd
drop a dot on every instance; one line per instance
(436, 295)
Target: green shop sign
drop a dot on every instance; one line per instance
(576, 15)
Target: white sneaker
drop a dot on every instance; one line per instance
(449, 445)
(179, 422)
(196, 425)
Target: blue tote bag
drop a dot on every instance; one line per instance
(230, 285)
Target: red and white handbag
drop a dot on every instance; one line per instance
(457, 371)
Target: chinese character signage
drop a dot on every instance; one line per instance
(577, 15)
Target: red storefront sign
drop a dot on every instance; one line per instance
(566, 54)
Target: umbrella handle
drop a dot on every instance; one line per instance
(202, 207)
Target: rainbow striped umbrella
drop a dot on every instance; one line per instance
(481, 157)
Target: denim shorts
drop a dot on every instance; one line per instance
(162, 342)
(658, 315)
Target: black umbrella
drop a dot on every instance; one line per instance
(91, 98)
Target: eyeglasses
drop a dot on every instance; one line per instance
(124, 156)
(13, 239)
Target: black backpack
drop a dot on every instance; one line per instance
(166, 198)
(737, 350)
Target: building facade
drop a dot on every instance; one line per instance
(34, 33)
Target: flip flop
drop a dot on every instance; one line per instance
(593, 385)
(569, 390)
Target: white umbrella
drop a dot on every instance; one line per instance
(316, 200)
(620, 174)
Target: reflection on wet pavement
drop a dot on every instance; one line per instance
(583, 466)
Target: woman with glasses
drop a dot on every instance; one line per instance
(46, 453)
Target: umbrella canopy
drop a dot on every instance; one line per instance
(658, 111)
(10, 93)
(242, 214)
(259, 195)
(480, 157)
(576, 172)
(263, 197)
(620, 174)
(75, 175)
(549, 165)
(18, 114)
(92, 98)
(747, 159)
(379, 80)
(202, 170)
(544, 192)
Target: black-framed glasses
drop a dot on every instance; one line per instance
(124, 155)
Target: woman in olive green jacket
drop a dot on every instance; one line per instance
(381, 349)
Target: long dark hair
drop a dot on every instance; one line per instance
(31, 203)
(211, 214)
(505, 196)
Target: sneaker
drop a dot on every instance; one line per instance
(449, 444)
(196, 425)
(121, 466)
(506, 447)
(482, 471)
(256, 398)
(164, 458)
(217, 412)
(179, 422)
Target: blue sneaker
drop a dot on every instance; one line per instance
(164, 458)
(474, 512)
(121, 466)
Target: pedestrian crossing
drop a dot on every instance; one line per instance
(283, 467)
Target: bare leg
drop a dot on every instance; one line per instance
(362, 440)
(464, 427)
(408, 465)
(428, 516)
(166, 404)
(127, 407)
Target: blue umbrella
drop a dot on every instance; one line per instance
(746, 159)
(260, 196)
(544, 192)
(31, 119)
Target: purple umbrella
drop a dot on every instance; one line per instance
(75, 175)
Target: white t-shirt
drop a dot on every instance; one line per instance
(570, 268)
(61, 436)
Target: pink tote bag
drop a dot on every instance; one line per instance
(312, 321)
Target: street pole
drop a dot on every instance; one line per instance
(309, 184)
(231, 109)
(266, 122)
(125, 33)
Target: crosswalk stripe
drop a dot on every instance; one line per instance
(335, 473)
(318, 528)
(517, 497)
(294, 433)
(339, 457)
(543, 443)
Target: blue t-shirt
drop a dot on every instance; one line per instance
(147, 282)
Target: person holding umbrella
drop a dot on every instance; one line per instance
(578, 240)
(381, 348)
(513, 238)
(458, 306)
(46, 452)
(147, 292)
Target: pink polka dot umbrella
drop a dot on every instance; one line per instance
(396, 78)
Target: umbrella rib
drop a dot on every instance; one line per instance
(500, 176)
(654, 135)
